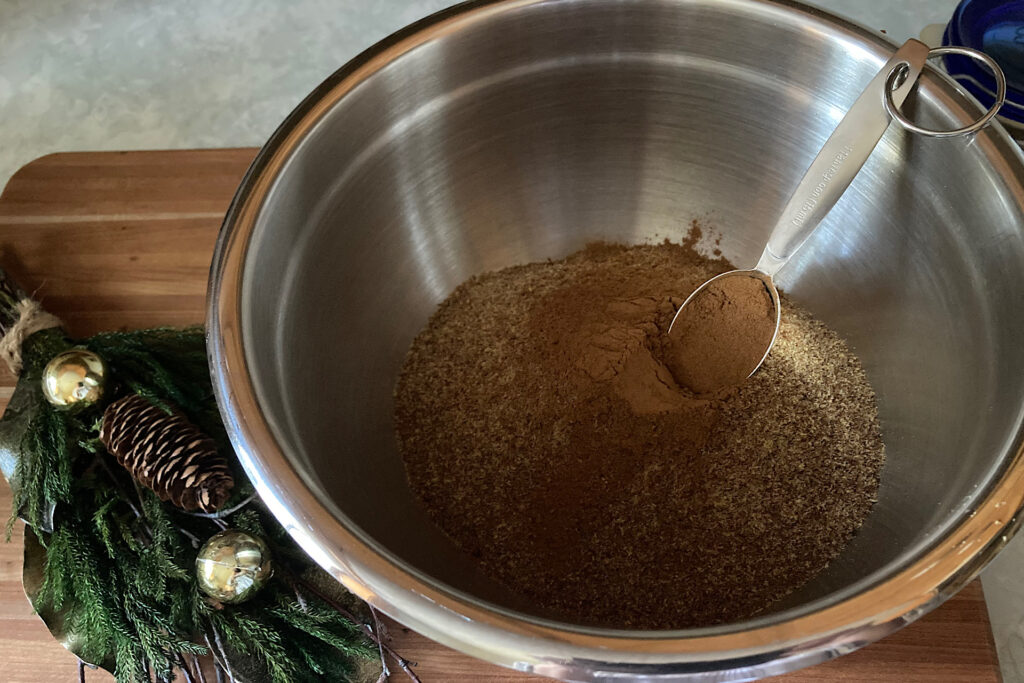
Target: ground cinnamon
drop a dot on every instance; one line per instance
(544, 435)
(721, 335)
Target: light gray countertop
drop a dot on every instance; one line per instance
(153, 74)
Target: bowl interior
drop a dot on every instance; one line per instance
(511, 137)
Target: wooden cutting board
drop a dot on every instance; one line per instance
(124, 239)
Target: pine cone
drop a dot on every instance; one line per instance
(166, 453)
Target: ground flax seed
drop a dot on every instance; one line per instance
(544, 434)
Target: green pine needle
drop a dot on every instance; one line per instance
(120, 564)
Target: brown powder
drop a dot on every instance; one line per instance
(720, 337)
(542, 433)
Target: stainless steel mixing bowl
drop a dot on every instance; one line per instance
(505, 132)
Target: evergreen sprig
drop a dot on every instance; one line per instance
(120, 563)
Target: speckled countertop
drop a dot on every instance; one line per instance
(152, 74)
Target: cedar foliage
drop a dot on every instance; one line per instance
(120, 563)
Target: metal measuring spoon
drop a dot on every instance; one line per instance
(831, 172)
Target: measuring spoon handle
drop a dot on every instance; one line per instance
(839, 160)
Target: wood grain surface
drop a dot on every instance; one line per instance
(124, 239)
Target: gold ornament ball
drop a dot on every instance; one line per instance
(233, 566)
(75, 378)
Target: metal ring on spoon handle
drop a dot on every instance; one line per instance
(893, 109)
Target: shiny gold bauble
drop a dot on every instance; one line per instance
(233, 566)
(75, 378)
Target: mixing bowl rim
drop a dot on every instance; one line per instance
(443, 613)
